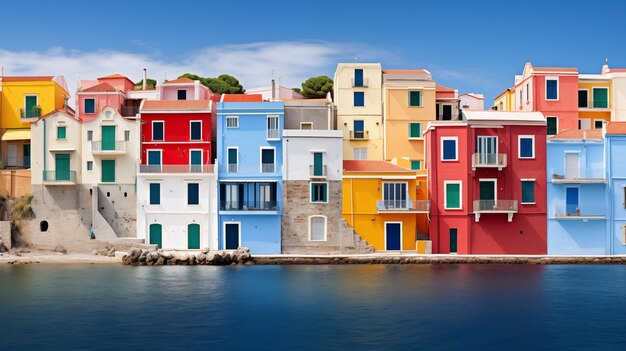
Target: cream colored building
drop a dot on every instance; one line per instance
(358, 97)
(618, 93)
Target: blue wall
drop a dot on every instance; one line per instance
(616, 156)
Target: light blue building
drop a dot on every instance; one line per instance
(615, 153)
(249, 153)
(578, 197)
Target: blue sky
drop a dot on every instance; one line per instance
(469, 45)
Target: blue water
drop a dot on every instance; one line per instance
(377, 307)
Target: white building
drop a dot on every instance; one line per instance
(280, 93)
(472, 102)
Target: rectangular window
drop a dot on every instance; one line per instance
(232, 122)
(232, 160)
(528, 191)
(395, 195)
(317, 228)
(108, 171)
(552, 124)
(319, 192)
(360, 153)
(359, 98)
(158, 130)
(90, 106)
(526, 147)
(583, 98)
(447, 112)
(155, 194)
(437, 107)
(452, 195)
(415, 130)
(154, 157)
(358, 77)
(521, 99)
(31, 108)
(90, 165)
(359, 130)
(195, 130)
(598, 123)
(600, 98)
(552, 89)
(268, 161)
(193, 193)
(415, 98)
(449, 149)
(273, 127)
(61, 133)
(416, 165)
(127, 135)
(90, 135)
(318, 164)
(182, 94)
(527, 92)
(306, 125)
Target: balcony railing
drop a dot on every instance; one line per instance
(488, 160)
(574, 212)
(403, 205)
(129, 111)
(268, 168)
(104, 147)
(34, 112)
(59, 177)
(583, 175)
(248, 206)
(495, 206)
(176, 169)
(273, 134)
(364, 83)
(359, 135)
(317, 173)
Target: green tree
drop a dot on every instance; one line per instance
(224, 84)
(317, 87)
(151, 84)
(297, 90)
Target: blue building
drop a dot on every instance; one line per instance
(249, 153)
(615, 153)
(578, 205)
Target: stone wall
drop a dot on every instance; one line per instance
(5, 234)
(118, 205)
(15, 183)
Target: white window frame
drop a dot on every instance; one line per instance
(235, 118)
(445, 194)
(127, 132)
(580, 122)
(306, 123)
(522, 189)
(199, 192)
(421, 131)
(227, 158)
(152, 131)
(267, 129)
(421, 98)
(311, 193)
(608, 101)
(87, 166)
(520, 98)
(273, 148)
(190, 124)
(593, 126)
(401, 233)
(224, 232)
(360, 149)
(495, 187)
(148, 151)
(95, 106)
(406, 186)
(586, 91)
(456, 147)
(201, 156)
(325, 227)
(90, 135)
(519, 146)
(527, 92)
(557, 88)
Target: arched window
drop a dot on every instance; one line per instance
(317, 228)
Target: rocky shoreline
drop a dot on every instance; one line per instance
(138, 257)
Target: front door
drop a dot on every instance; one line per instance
(108, 171)
(12, 155)
(108, 138)
(571, 166)
(195, 159)
(193, 236)
(487, 194)
(232, 236)
(571, 201)
(156, 235)
(393, 236)
(453, 240)
(26, 153)
(486, 146)
(62, 167)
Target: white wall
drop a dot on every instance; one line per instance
(619, 97)
(298, 148)
(474, 103)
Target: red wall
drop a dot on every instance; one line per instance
(566, 108)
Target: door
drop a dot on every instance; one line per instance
(584, 123)
(62, 167)
(486, 146)
(12, 155)
(29, 108)
(571, 166)
(232, 236)
(453, 240)
(26, 153)
(447, 112)
(154, 160)
(156, 235)
(108, 138)
(571, 201)
(359, 130)
(393, 236)
(195, 159)
(318, 164)
(193, 236)
(395, 195)
(487, 194)
(108, 171)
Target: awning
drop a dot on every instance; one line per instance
(16, 134)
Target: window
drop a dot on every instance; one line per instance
(154, 157)
(600, 98)
(317, 228)
(395, 195)
(318, 164)
(359, 129)
(90, 165)
(623, 234)
(61, 133)
(273, 127)
(182, 94)
(527, 92)
(437, 106)
(268, 161)
(598, 124)
(90, 135)
(552, 89)
(232, 122)
(528, 191)
(416, 165)
(583, 98)
(90, 106)
(193, 193)
(127, 135)
(415, 130)
(452, 191)
(232, 159)
(552, 124)
(157, 130)
(195, 130)
(520, 99)
(358, 77)
(415, 98)
(306, 125)
(447, 112)
(319, 192)
(526, 146)
(624, 197)
(155, 194)
(359, 98)
(195, 160)
(449, 149)
(359, 153)
(584, 123)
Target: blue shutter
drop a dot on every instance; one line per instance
(90, 106)
(154, 157)
(358, 77)
(359, 98)
(449, 149)
(193, 191)
(196, 130)
(155, 193)
(526, 147)
(551, 89)
(157, 131)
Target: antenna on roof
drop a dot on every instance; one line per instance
(606, 61)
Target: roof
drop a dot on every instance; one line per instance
(68, 111)
(242, 98)
(474, 95)
(16, 134)
(405, 71)
(554, 69)
(371, 166)
(496, 116)
(616, 128)
(576, 134)
(183, 80)
(113, 76)
(617, 70)
(98, 88)
(176, 105)
(27, 78)
(504, 92)
(442, 89)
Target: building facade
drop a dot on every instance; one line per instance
(472, 102)
(310, 114)
(448, 103)
(615, 149)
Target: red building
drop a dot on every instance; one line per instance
(487, 183)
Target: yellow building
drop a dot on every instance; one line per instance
(379, 204)
(23, 101)
(357, 92)
(505, 101)
(594, 101)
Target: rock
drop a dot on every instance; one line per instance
(111, 252)
(160, 261)
(3, 247)
(135, 252)
(205, 250)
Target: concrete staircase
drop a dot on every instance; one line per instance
(359, 245)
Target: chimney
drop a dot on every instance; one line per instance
(145, 79)
(273, 89)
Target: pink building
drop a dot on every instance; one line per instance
(111, 91)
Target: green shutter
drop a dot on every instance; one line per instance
(453, 196)
(528, 191)
(324, 188)
(416, 165)
(193, 236)
(487, 191)
(318, 164)
(62, 167)
(551, 125)
(61, 133)
(600, 98)
(415, 98)
(415, 130)
(30, 110)
(155, 193)
(156, 237)
(108, 171)
(108, 138)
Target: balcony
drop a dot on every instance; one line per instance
(265, 168)
(273, 134)
(175, 169)
(59, 177)
(319, 173)
(403, 206)
(595, 105)
(574, 212)
(364, 83)
(108, 148)
(268, 168)
(359, 135)
(30, 115)
(129, 111)
(248, 206)
(495, 206)
(484, 160)
(578, 176)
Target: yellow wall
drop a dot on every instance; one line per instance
(507, 101)
(50, 97)
(589, 85)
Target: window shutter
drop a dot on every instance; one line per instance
(453, 194)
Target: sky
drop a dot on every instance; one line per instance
(473, 46)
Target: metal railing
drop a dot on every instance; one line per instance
(129, 111)
(359, 135)
(495, 206)
(573, 211)
(249, 206)
(321, 172)
(34, 112)
(176, 168)
(59, 176)
(364, 83)
(268, 168)
(108, 146)
(488, 160)
(273, 134)
(403, 205)
(587, 174)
